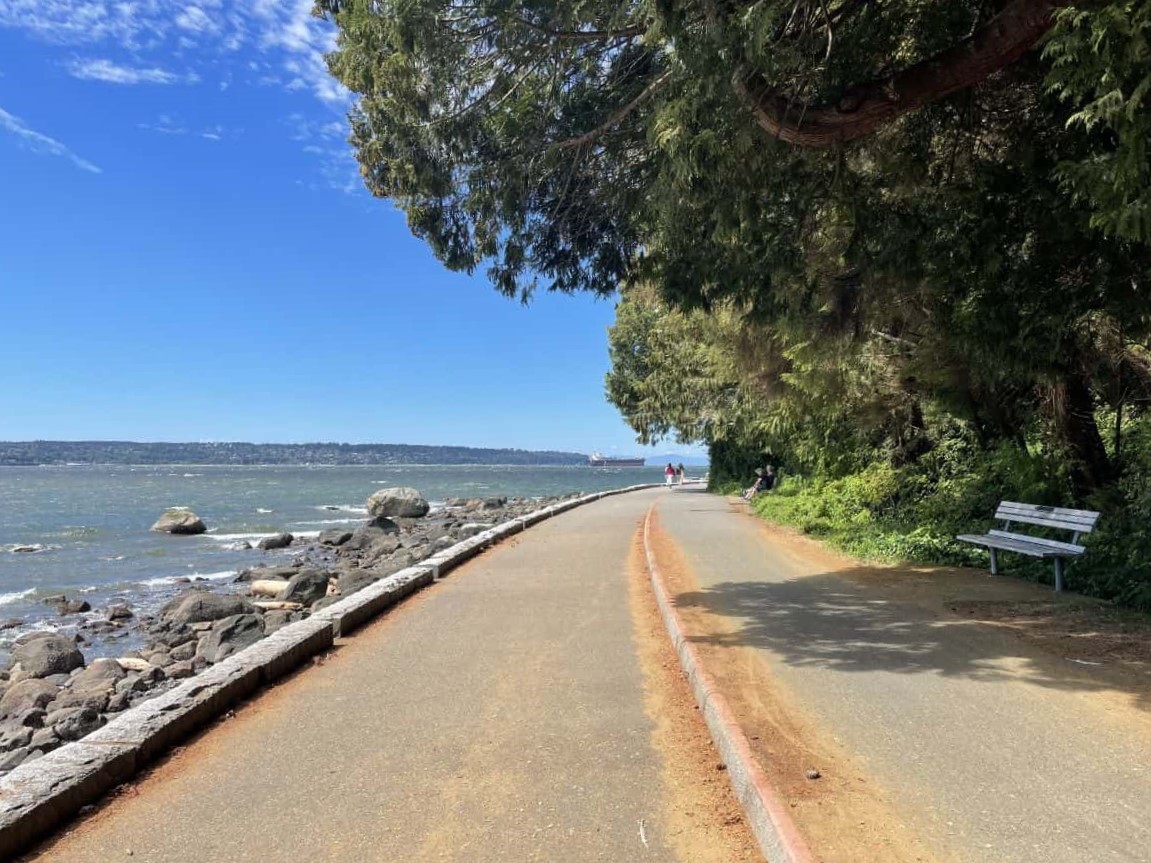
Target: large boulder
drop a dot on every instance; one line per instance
(333, 537)
(231, 635)
(46, 655)
(305, 587)
(256, 573)
(398, 502)
(25, 695)
(270, 543)
(92, 687)
(179, 521)
(199, 606)
(380, 530)
(356, 579)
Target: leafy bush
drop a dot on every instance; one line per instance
(912, 513)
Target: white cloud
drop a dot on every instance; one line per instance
(168, 125)
(196, 19)
(114, 73)
(41, 143)
(165, 125)
(284, 33)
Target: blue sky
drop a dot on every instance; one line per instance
(186, 253)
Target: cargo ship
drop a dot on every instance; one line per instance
(597, 460)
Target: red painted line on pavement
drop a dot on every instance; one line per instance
(776, 832)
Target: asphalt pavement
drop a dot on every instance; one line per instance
(992, 749)
(497, 716)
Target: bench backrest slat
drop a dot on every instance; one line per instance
(1036, 540)
(1076, 520)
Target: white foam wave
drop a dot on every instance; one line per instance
(16, 596)
(344, 507)
(263, 511)
(329, 521)
(238, 537)
(165, 580)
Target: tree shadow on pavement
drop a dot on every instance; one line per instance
(833, 621)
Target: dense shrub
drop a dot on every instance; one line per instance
(913, 513)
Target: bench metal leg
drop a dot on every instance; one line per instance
(1058, 575)
(995, 561)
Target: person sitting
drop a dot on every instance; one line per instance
(764, 481)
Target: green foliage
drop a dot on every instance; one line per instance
(1101, 63)
(922, 321)
(913, 513)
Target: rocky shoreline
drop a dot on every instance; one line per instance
(50, 695)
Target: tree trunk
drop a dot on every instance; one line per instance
(866, 107)
(1074, 414)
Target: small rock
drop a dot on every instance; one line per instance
(74, 723)
(812, 774)
(13, 760)
(14, 737)
(73, 606)
(119, 612)
(46, 739)
(180, 670)
(184, 651)
(135, 664)
(131, 683)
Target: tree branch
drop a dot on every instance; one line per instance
(582, 35)
(616, 118)
(866, 107)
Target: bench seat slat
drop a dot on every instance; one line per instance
(1070, 547)
(1019, 546)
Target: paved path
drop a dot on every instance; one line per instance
(498, 717)
(993, 750)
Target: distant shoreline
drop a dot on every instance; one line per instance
(239, 454)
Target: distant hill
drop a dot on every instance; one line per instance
(130, 452)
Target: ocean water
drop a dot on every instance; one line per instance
(89, 524)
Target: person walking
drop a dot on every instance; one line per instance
(668, 474)
(679, 472)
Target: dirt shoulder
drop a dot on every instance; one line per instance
(701, 812)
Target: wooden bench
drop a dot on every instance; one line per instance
(1077, 521)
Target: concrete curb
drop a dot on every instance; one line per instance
(778, 837)
(39, 795)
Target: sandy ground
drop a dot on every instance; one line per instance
(703, 818)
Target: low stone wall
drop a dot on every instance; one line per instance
(40, 794)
